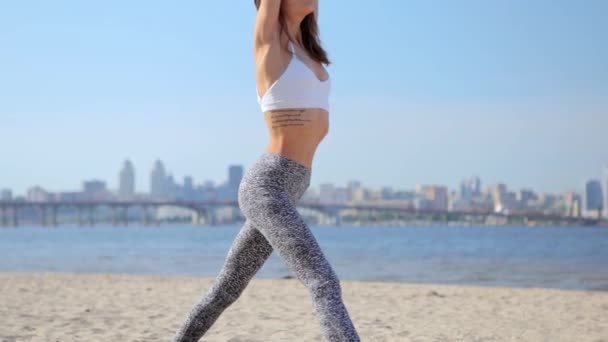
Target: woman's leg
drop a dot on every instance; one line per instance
(246, 256)
(265, 200)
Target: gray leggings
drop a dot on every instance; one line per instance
(267, 196)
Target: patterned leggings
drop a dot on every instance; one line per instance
(267, 196)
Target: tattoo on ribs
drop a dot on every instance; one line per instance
(288, 117)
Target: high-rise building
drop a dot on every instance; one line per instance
(327, 193)
(171, 189)
(95, 190)
(386, 191)
(352, 188)
(572, 204)
(466, 193)
(126, 180)
(505, 201)
(436, 195)
(235, 174)
(158, 180)
(6, 194)
(524, 197)
(476, 186)
(188, 191)
(470, 188)
(594, 199)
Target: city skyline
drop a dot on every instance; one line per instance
(127, 176)
(513, 91)
(471, 197)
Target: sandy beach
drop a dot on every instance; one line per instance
(114, 307)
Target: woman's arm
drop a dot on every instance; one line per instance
(267, 21)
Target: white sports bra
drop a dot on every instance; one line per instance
(297, 87)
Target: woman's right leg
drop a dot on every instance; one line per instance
(247, 254)
(264, 198)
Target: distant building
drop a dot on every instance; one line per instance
(387, 192)
(235, 174)
(498, 191)
(525, 197)
(358, 194)
(326, 193)
(229, 190)
(37, 194)
(71, 196)
(572, 204)
(458, 202)
(404, 195)
(188, 192)
(470, 188)
(421, 202)
(505, 201)
(158, 180)
(95, 190)
(171, 187)
(476, 185)
(508, 203)
(594, 200)
(466, 192)
(340, 195)
(6, 194)
(354, 191)
(437, 195)
(126, 180)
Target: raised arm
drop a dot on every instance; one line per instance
(267, 21)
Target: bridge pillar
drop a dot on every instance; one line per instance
(125, 214)
(337, 217)
(154, 220)
(146, 218)
(4, 217)
(43, 215)
(54, 215)
(91, 216)
(200, 216)
(210, 217)
(113, 215)
(79, 209)
(196, 218)
(15, 216)
(328, 217)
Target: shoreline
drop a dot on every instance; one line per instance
(65, 306)
(291, 277)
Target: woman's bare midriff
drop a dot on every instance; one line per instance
(296, 133)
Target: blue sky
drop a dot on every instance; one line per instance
(423, 91)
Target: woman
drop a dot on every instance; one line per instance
(293, 91)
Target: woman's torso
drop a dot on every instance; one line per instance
(294, 132)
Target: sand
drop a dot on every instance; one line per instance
(114, 307)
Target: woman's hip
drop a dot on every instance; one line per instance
(272, 173)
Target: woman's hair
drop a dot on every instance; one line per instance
(310, 35)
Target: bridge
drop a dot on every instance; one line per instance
(9, 212)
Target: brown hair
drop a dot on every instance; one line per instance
(310, 35)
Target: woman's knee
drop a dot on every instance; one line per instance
(326, 285)
(224, 293)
